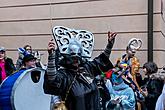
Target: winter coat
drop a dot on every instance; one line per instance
(9, 67)
(84, 94)
(154, 88)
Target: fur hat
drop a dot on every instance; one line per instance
(158, 76)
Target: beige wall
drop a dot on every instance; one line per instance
(28, 22)
(162, 36)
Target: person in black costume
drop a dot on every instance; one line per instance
(73, 80)
(103, 91)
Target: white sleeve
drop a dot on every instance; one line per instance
(160, 104)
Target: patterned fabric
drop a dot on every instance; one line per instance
(51, 66)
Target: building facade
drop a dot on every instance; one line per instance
(30, 22)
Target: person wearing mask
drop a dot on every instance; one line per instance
(129, 62)
(6, 65)
(73, 80)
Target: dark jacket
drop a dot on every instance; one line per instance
(19, 61)
(9, 67)
(83, 94)
(154, 88)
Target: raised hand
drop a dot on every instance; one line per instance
(111, 40)
(111, 36)
(51, 46)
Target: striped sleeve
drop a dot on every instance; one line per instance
(51, 69)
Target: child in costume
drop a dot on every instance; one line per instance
(122, 96)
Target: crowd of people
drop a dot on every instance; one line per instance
(78, 82)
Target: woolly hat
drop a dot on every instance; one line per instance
(2, 49)
(28, 57)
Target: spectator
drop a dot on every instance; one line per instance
(29, 61)
(6, 65)
(152, 84)
(26, 48)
